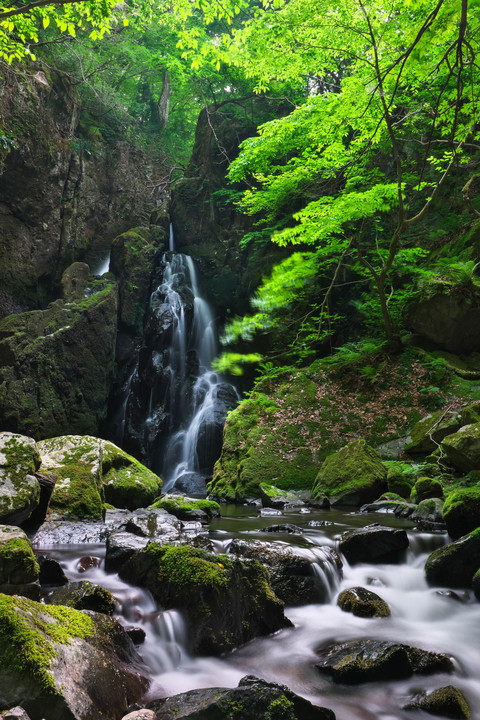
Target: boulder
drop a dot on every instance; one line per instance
(226, 601)
(425, 488)
(361, 661)
(352, 476)
(19, 570)
(251, 700)
(51, 572)
(191, 484)
(374, 544)
(273, 497)
(428, 432)
(400, 478)
(83, 595)
(16, 713)
(428, 515)
(363, 603)
(470, 414)
(298, 576)
(454, 565)
(461, 511)
(63, 664)
(397, 506)
(188, 508)
(448, 702)
(462, 448)
(451, 320)
(19, 489)
(126, 482)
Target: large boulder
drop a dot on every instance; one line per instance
(126, 482)
(454, 565)
(63, 664)
(251, 700)
(227, 602)
(374, 544)
(19, 570)
(428, 432)
(19, 489)
(461, 511)
(360, 661)
(462, 448)
(352, 476)
(449, 319)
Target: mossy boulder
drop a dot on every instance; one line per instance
(476, 584)
(19, 489)
(84, 595)
(363, 603)
(462, 448)
(60, 663)
(470, 415)
(19, 570)
(76, 461)
(126, 482)
(352, 476)
(425, 488)
(187, 508)
(461, 511)
(400, 478)
(227, 602)
(428, 432)
(447, 702)
(374, 544)
(429, 514)
(454, 565)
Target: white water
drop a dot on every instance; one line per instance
(103, 267)
(420, 617)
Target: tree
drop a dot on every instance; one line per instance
(392, 110)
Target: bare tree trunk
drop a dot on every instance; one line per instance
(163, 105)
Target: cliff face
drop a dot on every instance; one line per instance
(65, 191)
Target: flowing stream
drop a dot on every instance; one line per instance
(420, 616)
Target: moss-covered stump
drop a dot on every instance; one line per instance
(187, 508)
(462, 448)
(76, 461)
(461, 511)
(84, 595)
(428, 432)
(251, 700)
(425, 488)
(361, 661)
(227, 602)
(447, 702)
(19, 570)
(455, 565)
(126, 482)
(352, 476)
(19, 489)
(374, 544)
(62, 664)
(363, 603)
(57, 365)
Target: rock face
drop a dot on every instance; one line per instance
(352, 476)
(251, 700)
(455, 565)
(449, 319)
(19, 570)
(63, 664)
(227, 602)
(374, 544)
(19, 489)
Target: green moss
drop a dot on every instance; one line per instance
(187, 567)
(18, 564)
(461, 511)
(29, 632)
(76, 493)
(425, 488)
(181, 506)
(281, 709)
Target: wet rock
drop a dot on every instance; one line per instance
(292, 571)
(363, 603)
(188, 508)
(448, 702)
(19, 570)
(16, 713)
(191, 484)
(428, 515)
(84, 595)
(84, 665)
(288, 528)
(19, 489)
(375, 544)
(226, 601)
(87, 563)
(136, 634)
(461, 511)
(462, 448)
(273, 497)
(428, 432)
(51, 572)
(451, 595)
(454, 565)
(142, 714)
(397, 507)
(267, 512)
(354, 475)
(126, 482)
(361, 661)
(251, 700)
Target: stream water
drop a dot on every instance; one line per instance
(420, 616)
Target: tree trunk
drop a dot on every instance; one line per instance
(163, 105)
(393, 338)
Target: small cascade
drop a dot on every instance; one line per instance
(103, 267)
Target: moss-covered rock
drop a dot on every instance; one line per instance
(352, 476)
(61, 663)
(470, 415)
(462, 448)
(187, 508)
(363, 603)
(19, 489)
(400, 478)
(476, 584)
(430, 430)
(448, 702)
(126, 482)
(19, 570)
(455, 564)
(76, 461)
(84, 595)
(429, 514)
(227, 602)
(461, 511)
(425, 488)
